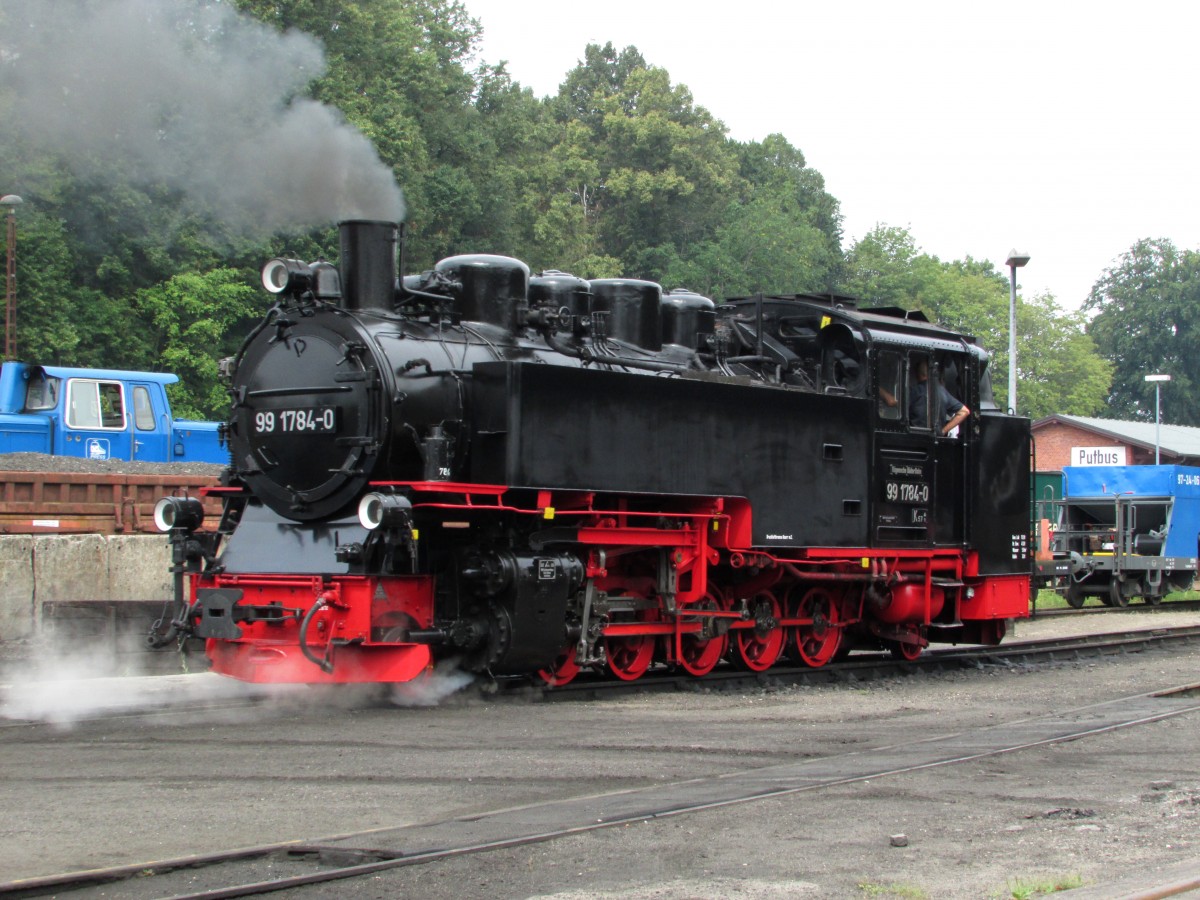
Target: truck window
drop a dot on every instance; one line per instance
(41, 392)
(95, 404)
(143, 412)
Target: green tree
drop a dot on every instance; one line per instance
(1060, 369)
(193, 316)
(652, 172)
(1147, 320)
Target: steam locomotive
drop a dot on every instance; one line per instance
(544, 475)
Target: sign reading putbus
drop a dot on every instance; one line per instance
(1098, 456)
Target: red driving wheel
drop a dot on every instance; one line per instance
(816, 641)
(698, 652)
(563, 670)
(758, 648)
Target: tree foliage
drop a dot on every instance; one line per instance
(194, 316)
(1147, 321)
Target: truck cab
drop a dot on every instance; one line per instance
(98, 414)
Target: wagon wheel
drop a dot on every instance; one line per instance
(1120, 591)
(699, 652)
(816, 641)
(629, 656)
(758, 648)
(908, 650)
(1152, 599)
(563, 670)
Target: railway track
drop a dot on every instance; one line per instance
(249, 871)
(867, 667)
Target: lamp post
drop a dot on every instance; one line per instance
(1015, 260)
(12, 201)
(1158, 382)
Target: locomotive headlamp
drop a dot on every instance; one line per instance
(290, 275)
(186, 513)
(384, 511)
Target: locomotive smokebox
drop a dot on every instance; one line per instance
(489, 288)
(369, 265)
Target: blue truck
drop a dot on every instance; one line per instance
(99, 414)
(1122, 532)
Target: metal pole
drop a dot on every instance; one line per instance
(10, 314)
(1157, 419)
(1012, 340)
(1158, 380)
(11, 202)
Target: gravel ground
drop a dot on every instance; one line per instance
(1089, 812)
(1092, 810)
(42, 462)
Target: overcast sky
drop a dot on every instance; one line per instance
(1066, 130)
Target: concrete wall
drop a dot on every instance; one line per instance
(36, 569)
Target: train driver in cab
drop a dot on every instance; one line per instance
(950, 411)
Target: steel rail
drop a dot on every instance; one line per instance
(874, 666)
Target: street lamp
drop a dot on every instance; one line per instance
(1015, 260)
(1158, 382)
(12, 201)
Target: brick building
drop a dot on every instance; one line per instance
(1075, 440)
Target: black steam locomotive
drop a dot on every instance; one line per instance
(545, 474)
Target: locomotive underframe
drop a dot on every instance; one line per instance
(672, 586)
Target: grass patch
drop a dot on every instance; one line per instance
(1023, 889)
(1052, 600)
(907, 891)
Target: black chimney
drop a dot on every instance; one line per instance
(369, 264)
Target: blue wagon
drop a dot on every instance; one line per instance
(1126, 531)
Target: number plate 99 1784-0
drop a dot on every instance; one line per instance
(906, 492)
(317, 420)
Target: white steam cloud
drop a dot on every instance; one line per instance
(190, 94)
(433, 687)
(64, 685)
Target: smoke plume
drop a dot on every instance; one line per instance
(191, 95)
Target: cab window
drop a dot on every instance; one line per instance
(891, 385)
(143, 411)
(95, 404)
(41, 392)
(921, 399)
